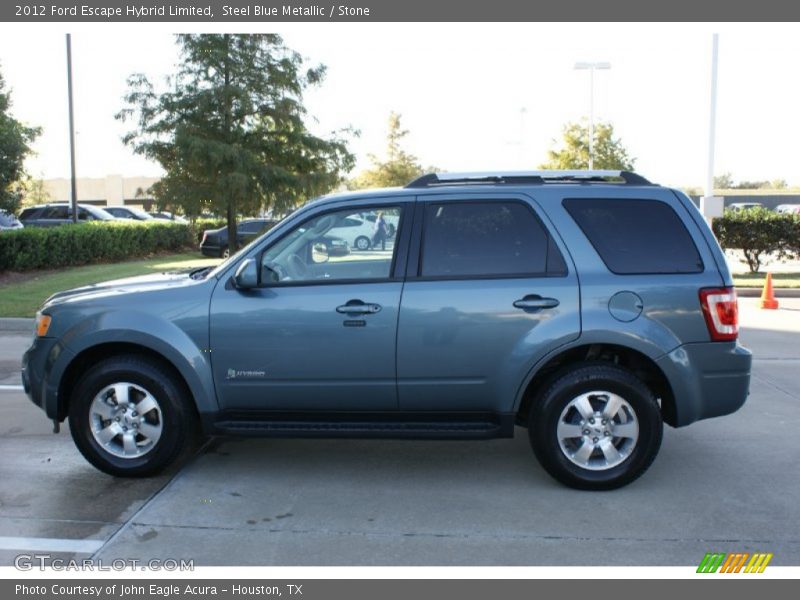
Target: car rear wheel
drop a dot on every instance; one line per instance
(362, 243)
(595, 427)
(129, 416)
(225, 253)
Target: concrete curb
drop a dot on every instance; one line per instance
(16, 325)
(751, 292)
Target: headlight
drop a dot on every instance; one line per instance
(42, 324)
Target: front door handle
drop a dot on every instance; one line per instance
(535, 302)
(357, 307)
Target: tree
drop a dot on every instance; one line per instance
(723, 182)
(35, 192)
(15, 147)
(778, 184)
(609, 153)
(230, 131)
(753, 185)
(759, 233)
(397, 169)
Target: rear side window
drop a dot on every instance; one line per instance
(55, 212)
(636, 237)
(480, 239)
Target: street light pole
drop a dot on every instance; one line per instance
(73, 183)
(591, 66)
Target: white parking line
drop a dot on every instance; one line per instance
(49, 544)
(11, 388)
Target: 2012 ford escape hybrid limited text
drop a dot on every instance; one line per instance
(586, 306)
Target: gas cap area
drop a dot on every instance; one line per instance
(625, 306)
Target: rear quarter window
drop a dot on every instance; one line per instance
(636, 237)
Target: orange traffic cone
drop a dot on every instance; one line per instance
(767, 295)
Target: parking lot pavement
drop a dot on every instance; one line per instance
(722, 485)
(12, 346)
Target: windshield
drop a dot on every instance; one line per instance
(234, 257)
(140, 213)
(99, 213)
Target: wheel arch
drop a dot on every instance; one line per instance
(185, 372)
(643, 366)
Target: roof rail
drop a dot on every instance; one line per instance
(528, 177)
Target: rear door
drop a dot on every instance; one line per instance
(488, 292)
(54, 215)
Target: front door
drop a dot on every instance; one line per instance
(320, 331)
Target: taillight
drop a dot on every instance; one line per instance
(205, 235)
(721, 312)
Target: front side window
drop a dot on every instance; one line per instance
(485, 239)
(335, 246)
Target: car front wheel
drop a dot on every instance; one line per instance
(362, 243)
(595, 427)
(130, 417)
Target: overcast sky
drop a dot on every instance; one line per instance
(461, 90)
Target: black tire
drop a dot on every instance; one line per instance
(362, 243)
(224, 252)
(552, 404)
(177, 420)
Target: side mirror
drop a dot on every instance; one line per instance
(246, 276)
(319, 252)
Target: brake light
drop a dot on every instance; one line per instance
(205, 235)
(721, 311)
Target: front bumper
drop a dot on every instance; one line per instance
(707, 379)
(42, 367)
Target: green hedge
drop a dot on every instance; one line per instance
(758, 232)
(84, 243)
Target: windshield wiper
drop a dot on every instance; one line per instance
(201, 272)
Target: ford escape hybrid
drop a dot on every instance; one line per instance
(589, 307)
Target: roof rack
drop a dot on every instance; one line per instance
(528, 177)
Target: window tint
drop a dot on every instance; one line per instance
(636, 236)
(55, 212)
(463, 239)
(328, 248)
(29, 213)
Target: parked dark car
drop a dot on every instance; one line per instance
(128, 212)
(50, 215)
(334, 246)
(9, 221)
(215, 241)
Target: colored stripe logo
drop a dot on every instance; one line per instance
(736, 562)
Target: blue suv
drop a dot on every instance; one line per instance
(589, 307)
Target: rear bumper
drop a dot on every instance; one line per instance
(708, 379)
(211, 250)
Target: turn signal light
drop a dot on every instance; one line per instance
(42, 324)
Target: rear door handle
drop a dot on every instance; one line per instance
(535, 302)
(357, 307)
